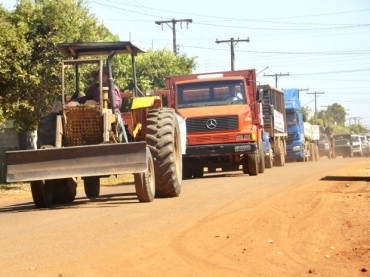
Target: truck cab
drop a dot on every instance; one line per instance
(294, 118)
(223, 121)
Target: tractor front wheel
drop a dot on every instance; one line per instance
(92, 186)
(42, 193)
(145, 182)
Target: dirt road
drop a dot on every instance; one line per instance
(285, 222)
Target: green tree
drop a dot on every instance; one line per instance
(154, 66)
(32, 60)
(335, 114)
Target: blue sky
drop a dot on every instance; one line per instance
(323, 45)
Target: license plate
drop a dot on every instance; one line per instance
(242, 148)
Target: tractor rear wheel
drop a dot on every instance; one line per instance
(64, 190)
(92, 186)
(46, 131)
(42, 193)
(145, 182)
(163, 140)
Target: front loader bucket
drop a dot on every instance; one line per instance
(77, 161)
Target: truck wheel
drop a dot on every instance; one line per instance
(42, 193)
(300, 160)
(252, 162)
(145, 182)
(46, 130)
(261, 164)
(317, 155)
(197, 171)
(312, 152)
(163, 140)
(92, 186)
(279, 156)
(64, 190)
(268, 159)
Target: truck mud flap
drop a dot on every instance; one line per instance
(78, 161)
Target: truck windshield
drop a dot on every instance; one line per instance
(341, 142)
(292, 119)
(211, 93)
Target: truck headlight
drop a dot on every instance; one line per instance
(296, 148)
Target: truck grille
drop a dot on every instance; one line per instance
(291, 137)
(208, 124)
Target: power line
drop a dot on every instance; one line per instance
(232, 43)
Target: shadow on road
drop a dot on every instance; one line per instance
(346, 178)
(103, 201)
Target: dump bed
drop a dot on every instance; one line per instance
(275, 124)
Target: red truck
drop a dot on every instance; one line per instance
(224, 123)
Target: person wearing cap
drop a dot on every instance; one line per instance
(93, 92)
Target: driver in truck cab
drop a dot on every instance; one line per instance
(233, 94)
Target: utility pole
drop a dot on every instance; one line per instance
(316, 92)
(232, 42)
(174, 21)
(276, 77)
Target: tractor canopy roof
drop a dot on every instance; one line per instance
(79, 49)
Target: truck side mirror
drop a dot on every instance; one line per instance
(304, 117)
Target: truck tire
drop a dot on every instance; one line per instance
(312, 152)
(145, 181)
(317, 155)
(42, 193)
(92, 186)
(261, 164)
(279, 156)
(163, 140)
(64, 190)
(46, 131)
(252, 163)
(268, 159)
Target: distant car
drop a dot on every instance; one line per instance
(326, 147)
(357, 146)
(365, 145)
(343, 147)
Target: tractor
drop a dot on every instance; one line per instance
(88, 141)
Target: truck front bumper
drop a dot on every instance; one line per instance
(221, 149)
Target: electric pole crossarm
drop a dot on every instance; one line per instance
(174, 21)
(232, 42)
(276, 77)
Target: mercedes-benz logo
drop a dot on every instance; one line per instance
(211, 123)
